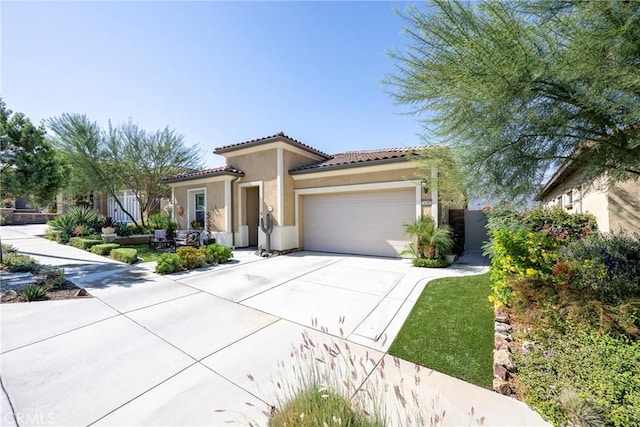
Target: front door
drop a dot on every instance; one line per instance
(253, 214)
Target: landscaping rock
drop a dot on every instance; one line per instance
(502, 316)
(504, 358)
(82, 292)
(501, 387)
(500, 343)
(9, 295)
(505, 336)
(500, 372)
(502, 327)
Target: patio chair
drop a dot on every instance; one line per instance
(188, 238)
(160, 239)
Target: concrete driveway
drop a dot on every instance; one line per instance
(223, 345)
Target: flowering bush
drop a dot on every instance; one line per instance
(517, 256)
(524, 247)
(606, 266)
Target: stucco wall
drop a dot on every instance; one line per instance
(624, 207)
(258, 166)
(400, 174)
(291, 161)
(214, 195)
(586, 199)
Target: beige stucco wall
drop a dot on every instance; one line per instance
(291, 161)
(214, 196)
(615, 208)
(400, 174)
(260, 166)
(624, 207)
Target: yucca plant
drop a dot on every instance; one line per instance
(432, 240)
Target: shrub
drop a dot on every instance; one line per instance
(104, 248)
(163, 221)
(191, 257)
(219, 254)
(607, 266)
(559, 222)
(168, 263)
(3, 221)
(601, 371)
(429, 263)
(83, 216)
(33, 292)
(84, 243)
(8, 248)
(62, 228)
(122, 229)
(20, 263)
(128, 255)
(51, 276)
(432, 240)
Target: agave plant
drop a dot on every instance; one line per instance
(432, 240)
(34, 292)
(86, 217)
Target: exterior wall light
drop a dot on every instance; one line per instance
(425, 186)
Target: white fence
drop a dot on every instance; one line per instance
(129, 202)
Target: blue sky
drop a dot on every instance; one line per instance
(217, 72)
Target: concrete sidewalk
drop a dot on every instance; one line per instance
(210, 347)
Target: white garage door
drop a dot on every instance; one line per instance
(367, 223)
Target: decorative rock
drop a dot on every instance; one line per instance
(82, 292)
(9, 295)
(502, 327)
(501, 387)
(500, 344)
(500, 372)
(504, 358)
(504, 336)
(502, 316)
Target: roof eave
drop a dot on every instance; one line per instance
(348, 165)
(267, 140)
(194, 177)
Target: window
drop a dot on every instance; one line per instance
(199, 208)
(559, 201)
(570, 197)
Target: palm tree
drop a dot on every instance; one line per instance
(432, 240)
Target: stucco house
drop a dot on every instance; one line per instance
(615, 207)
(351, 202)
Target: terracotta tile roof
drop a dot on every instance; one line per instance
(280, 136)
(359, 158)
(224, 170)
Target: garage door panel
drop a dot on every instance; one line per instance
(368, 223)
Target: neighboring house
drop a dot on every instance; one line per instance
(353, 202)
(615, 207)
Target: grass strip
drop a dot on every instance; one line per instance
(450, 329)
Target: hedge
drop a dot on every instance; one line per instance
(127, 255)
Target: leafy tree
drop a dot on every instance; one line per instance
(518, 88)
(120, 158)
(29, 165)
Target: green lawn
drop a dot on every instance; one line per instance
(145, 252)
(450, 330)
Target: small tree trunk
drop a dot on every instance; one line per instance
(430, 252)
